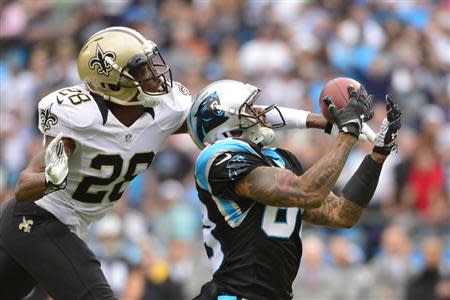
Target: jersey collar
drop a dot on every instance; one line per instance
(104, 109)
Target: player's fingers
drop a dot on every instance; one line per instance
(51, 150)
(389, 102)
(58, 137)
(368, 102)
(328, 102)
(352, 92)
(60, 150)
(392, 108)
(362, 95)
(55, 141)
(396, 110)
(369, 116)
(333, 111)
(389, 98)
(351, 89)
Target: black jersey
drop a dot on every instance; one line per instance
(255, 249)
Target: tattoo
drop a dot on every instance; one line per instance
(272, 186)
(323, 175)
(334, 212)
(280, 187)
(349, 210)
(316, 121)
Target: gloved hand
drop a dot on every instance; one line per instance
(389, 129)
(333, 130)
(56, 162)
(358, 110)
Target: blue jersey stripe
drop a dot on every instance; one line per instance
(231, 211)
(275, 157)
(211, 152)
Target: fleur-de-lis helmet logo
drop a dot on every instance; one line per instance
(103, 67)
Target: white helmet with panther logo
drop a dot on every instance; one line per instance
(107, 61)
(225, 107)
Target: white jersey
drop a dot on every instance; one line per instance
(108, 154)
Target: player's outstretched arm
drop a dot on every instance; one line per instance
(340, 212)
(334, 212)
(294, 118)
(280, 187)
(345, 211)
(46, 171)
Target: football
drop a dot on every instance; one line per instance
(336, 89)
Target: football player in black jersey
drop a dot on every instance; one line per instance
(254, 199)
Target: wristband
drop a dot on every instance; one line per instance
(294, 118)
(382, 150)
(50, 187)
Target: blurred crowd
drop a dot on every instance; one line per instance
(151, 247)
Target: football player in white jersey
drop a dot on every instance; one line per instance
(99, 135)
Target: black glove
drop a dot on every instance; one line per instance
(358, 110)
(385, 138)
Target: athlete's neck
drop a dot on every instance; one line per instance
(127, 115)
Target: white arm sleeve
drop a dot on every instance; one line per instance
(294, 118)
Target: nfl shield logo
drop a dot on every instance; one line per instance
(128, 138)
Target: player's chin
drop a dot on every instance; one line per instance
(153, 86)
(236, 133)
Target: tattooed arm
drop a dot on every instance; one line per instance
(335, 212)
(280, 187)
(340, 212)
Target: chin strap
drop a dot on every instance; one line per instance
(148, 100)
(143, 98)
(259, 135)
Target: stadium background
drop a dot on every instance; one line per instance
(151, 247)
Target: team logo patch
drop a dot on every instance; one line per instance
(47, 118)
(25, 226)
(237, 165)
(103, 67)
(183, 89)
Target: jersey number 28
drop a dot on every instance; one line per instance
(116, 162)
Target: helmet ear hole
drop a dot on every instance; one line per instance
(114, 87)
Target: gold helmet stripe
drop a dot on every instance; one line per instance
(128, 31)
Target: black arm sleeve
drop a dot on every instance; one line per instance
(361, 187)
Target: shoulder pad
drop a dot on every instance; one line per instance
(174, 108)
(179, 88)
(233, 145)
(66, 110)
